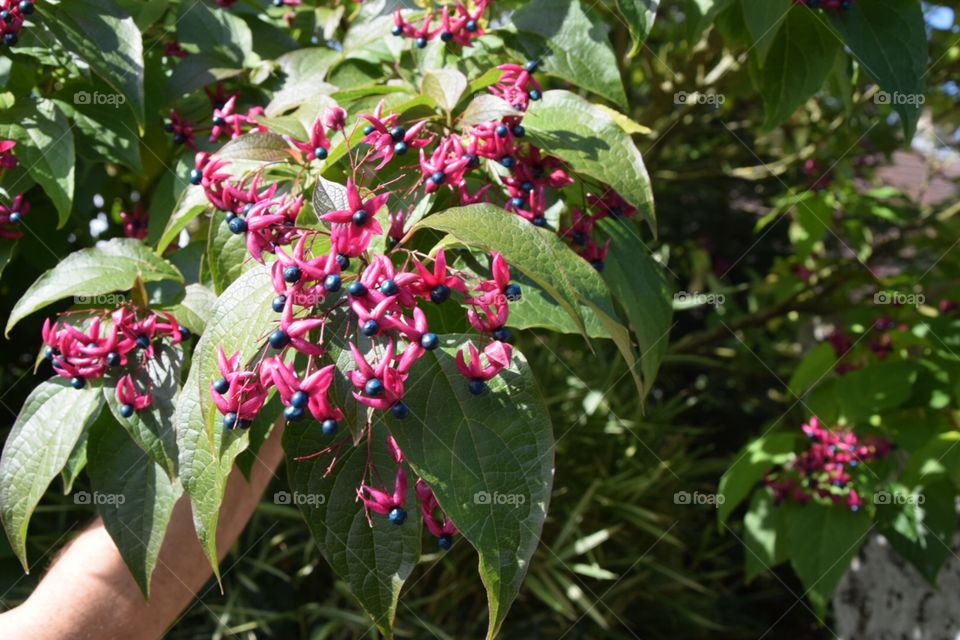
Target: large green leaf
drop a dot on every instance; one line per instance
(750, 466)
(45, 148)
(591, 141)
(105, 129)
(43, 436)
(874, 389)
(489, 459)
(375, 560)
(216, 32)
(764, 534)
(195, 308)
(537, 310)
(920, 524)
(797, 63)
(575, 46)
(764, 19)
(105, 37)
(152, 428)
(108, 267)
(192, 202)
(640, 15)
(888, 38)
(133, 495)
(227, 254)
(823, 540)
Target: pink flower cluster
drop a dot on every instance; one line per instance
(8, 160)
(461, 25)
(824, 470)
(225, 121)
(11, 216)
(121, 340)
(12, 14)
(135, 221)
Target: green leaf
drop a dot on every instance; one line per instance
(105, 37)
(749, 467)
(920, 525)
(7, 249)
(257, 146)
(874, 389)
(939, 458)
(639, 15)
(823, 540)
(192, 202)
(445, 86)
(486, 107)
(40, 442)
(489, 460)
(798, 62)
(195, 308)
(888, 39)
(764, 19)
(75, 464)
(153, 428)
(227, 253)
(815, 366)
(591, 142)
(536, 309)
(197, 71)
(108, 267)
(45, 148)
(135, 497)
(216, 32)
(329, 196)
(575, 46)
(106, 129)
(374, 561)
(764, 534)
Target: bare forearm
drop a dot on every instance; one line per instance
(89, 593)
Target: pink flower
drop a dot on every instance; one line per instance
(354, 228)
(128, 395)
(497, 354)
(379, 501)
(335, 118)
(316, 386)
(382, 385)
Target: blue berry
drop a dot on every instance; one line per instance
(343, 261)
(221, 386)
(531, 66)
(512, 291)
(238, 225)
(477, 386)
(397, 30)
(126, 410)
(219, 121)
(389, 288)
(279, 339)
(421, 42)
(329, 427)
(320, 153)
(367, 130)
(429, 341)
(293, 414)
(230, 420)
(400, 148)
(10, 39)
(373, 388)
(519, 131)
(580, 238)
(292, 274)
(535, 94)
(398, 133)
(502, 334)
(299, 399)
(440, 293)
(472, 26)
(228, 216)
(178, 138)
(437, 177)
(598, 265)
(279, 303)
(168, 127)
(516, 202)
(527, 186)
(400, 410)
(445, 542)
(196, 176)
(185, 334)
(360, 217)
(5, 15)
(397, 516)
(49, 352)
(502, 130)
(507, 161)
(540, 221)
(113, 359)
(446, 36)
(143, 341)
(357, 289)
(78, 382)
(473, 160)
(370, 328)
(332, 283)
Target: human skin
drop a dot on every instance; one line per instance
(88, 591)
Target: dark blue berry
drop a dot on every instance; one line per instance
(5, 15)
(507, 161)
(440, 293)
(531, 66)
(230, 420)
(243, 424)
(512, 291)
(356, 289)
(421, 42)
(292, 274)
(535, 94)
(502, 130)
(437, 177)
(278, 3)
(299, 399)
(320, 153)
(228, 216)
(143, 341)
(126, 410)
(221, 386)
(429, 341)
(446, 36)
(196, 176)
(78, 382)
(168, 127)
(49, 352)
(519, 131)
(343, 261)
(527, 186)
(472, 26)
(360, 217)
(398, 133)
(477, 386)
(367, 130)
(445, 542)
(598, 265)
(474, 160)
(580, 238)
(540, 221)
(178, 138)
(219, 121)
(293, 414)
(329, 427)
(373, 388)
(397, 30)
(16, 217)
(397, 516)
(370, 328)
(502, 334)
(332, 283)
(279, 303)
(10, 39)
(400, 410)
(516, 202)
(389, 288)
(279, 339)
(238, 225)
(400, 148)
(185, 334)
